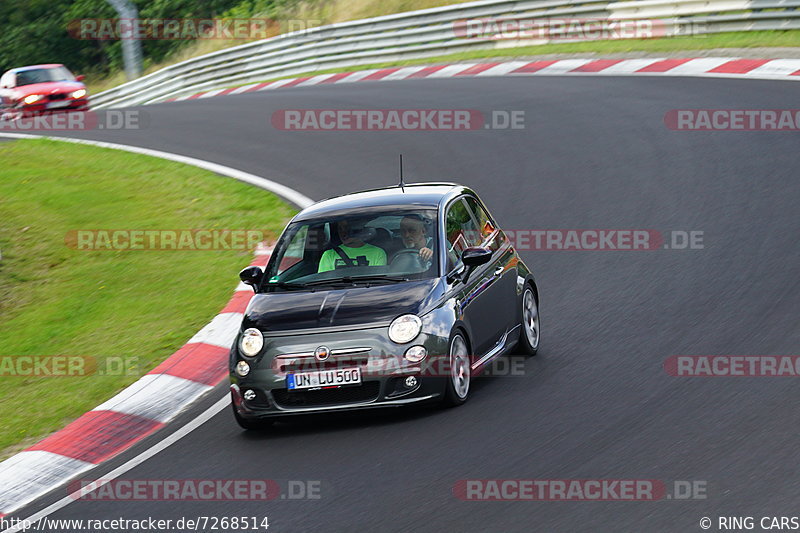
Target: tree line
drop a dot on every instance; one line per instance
(38, 31)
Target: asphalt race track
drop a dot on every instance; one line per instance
(597, 402)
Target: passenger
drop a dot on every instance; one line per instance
(353, 251)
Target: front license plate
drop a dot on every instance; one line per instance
(57, 104)
(323, 378)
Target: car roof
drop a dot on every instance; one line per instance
(32, 67)
(421, 195)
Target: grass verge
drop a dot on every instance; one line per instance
(142, 305)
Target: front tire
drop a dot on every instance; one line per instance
(458, 382)
(531, 323)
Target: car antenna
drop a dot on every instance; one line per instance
(401, 184)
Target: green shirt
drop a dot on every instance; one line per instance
(330, 259)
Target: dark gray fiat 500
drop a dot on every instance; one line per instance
(381, 298)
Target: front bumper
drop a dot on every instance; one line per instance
(38, 109)
(383, 370)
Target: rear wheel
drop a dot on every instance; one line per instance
(458, 382)
(529, 336)
(250, 423)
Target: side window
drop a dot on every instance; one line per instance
(460, 230)
(295, 251)
(485, 225)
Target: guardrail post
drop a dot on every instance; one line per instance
(131, 47)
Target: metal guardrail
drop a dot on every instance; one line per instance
(427, 33)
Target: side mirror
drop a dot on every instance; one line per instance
(470, 258)
(476, 256)
(80, 77)
(252, 276)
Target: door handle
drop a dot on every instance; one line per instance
(499, 270)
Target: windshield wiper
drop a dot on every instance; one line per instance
(349, 280)
(287, 285)
(352, 280)
(378, 277)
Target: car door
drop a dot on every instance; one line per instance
(474, 296)
(503, 293)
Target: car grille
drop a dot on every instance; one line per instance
(366, 392)
(312, 365)
(58, 96)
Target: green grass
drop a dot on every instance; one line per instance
(756, 39)
(56, 300)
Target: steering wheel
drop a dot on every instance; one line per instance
(409, 259)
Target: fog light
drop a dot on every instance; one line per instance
(249, 394)
(242, 368)
(411, 382)
(415, 354)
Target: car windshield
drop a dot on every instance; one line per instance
(43, 75)
(369, 248)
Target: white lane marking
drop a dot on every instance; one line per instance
(31, 474)
(158, 397)
(221, 331)
(133, 463)
(283, 191)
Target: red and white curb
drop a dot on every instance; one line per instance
(133, 414)
(724, 67)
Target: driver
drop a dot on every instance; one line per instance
(353, 251)
(414, 234)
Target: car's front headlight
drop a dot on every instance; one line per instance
(32, 98)
(251, 342)
(405, 328)
(80, 93)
